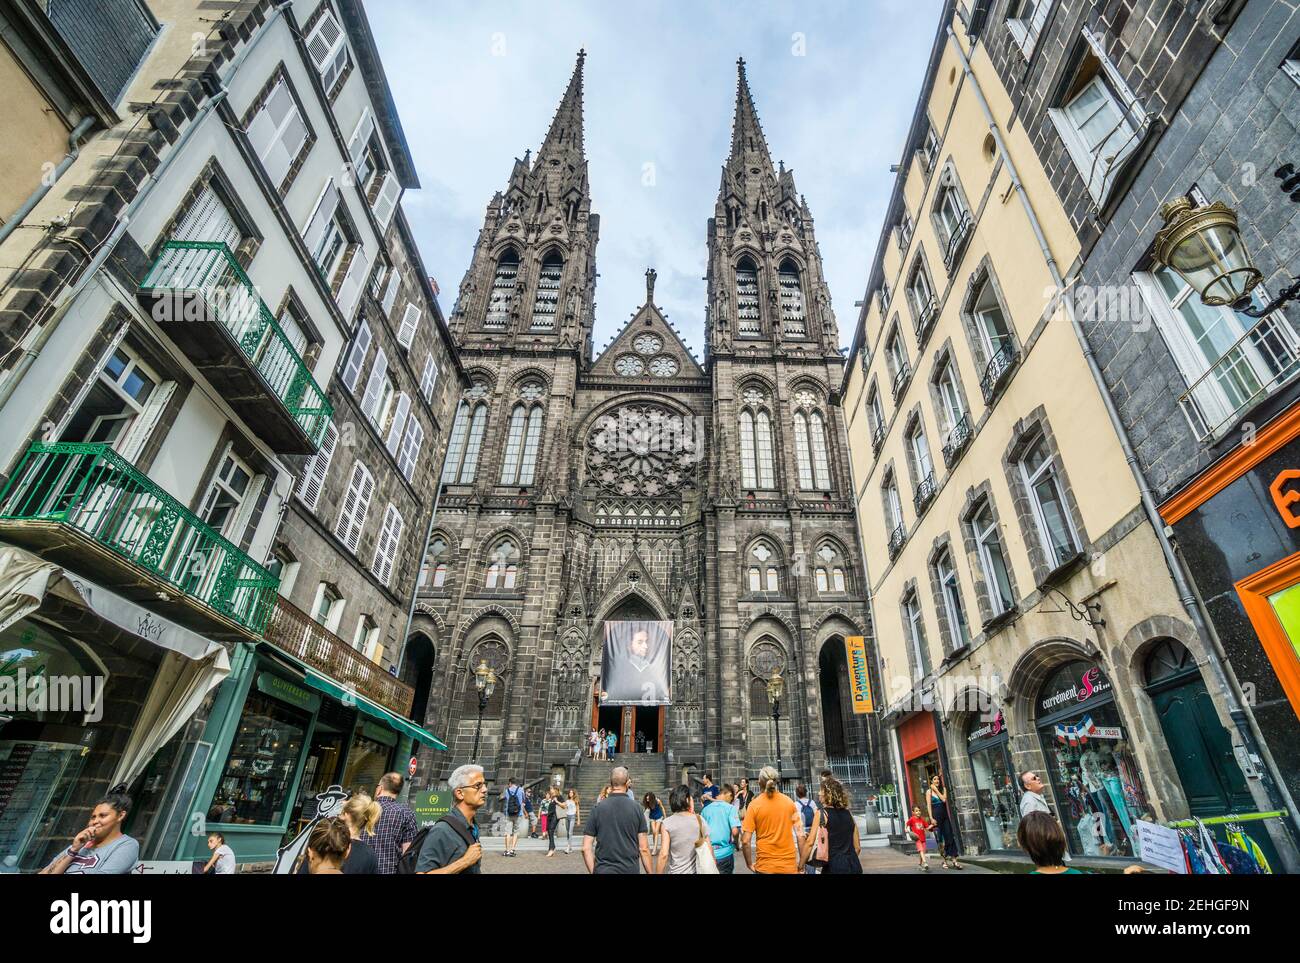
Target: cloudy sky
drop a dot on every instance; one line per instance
(835, 83)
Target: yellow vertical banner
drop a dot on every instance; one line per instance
(855, 651)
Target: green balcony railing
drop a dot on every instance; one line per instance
(185, 268)
(95, 491)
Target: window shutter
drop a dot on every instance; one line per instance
(320, 218)
(428, 378)
(357, 356)
(356, 503)
(410, 324)
(361, 136)
(277, 133)
(390, 535)
(399, 422)
(390, 293)
(313, 477)
(144, 425)
(411, 444)
(375, 385)
(208, 220)
(386, 202)
(325, 45)
(353, 283)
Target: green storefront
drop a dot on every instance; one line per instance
(279, 733)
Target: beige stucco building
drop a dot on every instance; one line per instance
(1018, 588)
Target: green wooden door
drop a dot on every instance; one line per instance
(1201, 749)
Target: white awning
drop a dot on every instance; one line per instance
(191, 668)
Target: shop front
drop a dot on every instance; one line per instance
(919, 744)
(1237, 526)
(281, 734)
(1098, 790)
(996, 798)
(91, 685)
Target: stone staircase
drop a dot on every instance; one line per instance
(646, 770)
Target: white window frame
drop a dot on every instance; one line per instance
(387, 545)
(1031, 479)
(330, 57)
(356, 360)
(265, 130)
(428, 378)
(913, 622)
(1210, 400)
(986, 558)
(1132, 122)
(950, 590)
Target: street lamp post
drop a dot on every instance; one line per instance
(1205, 247)
(485, 681)
(775, 685)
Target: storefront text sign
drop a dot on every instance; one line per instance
(1090, 683)
(988, 730)
(1286, 495)
(286, 691)
(1159, 846)
(430, 806)
(855, 650)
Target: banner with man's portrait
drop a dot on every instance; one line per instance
(637, 667)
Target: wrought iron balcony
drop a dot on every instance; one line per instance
(877, 438)
(84, 505)
(957, 241)
(896, 539)
(996, 371)
(925, 318)
(958, 439)
(924, 493)
(1257, 364)
(203, 299)
(297, 633)
(901, 378)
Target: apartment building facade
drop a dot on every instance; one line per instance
(1019, 582)
(204, 259)
(1194, 112)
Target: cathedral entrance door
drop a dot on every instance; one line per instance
(639, 728)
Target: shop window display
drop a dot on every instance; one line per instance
(995, 782)
(259, 772)
(1095, 777)
(367, 761)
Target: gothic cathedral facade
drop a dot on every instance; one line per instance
(642, 484)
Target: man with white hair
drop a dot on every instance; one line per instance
(452, 844)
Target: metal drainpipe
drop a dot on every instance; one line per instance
(70, 158)
(1243, 719)
(29, 353)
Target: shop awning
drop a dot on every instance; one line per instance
(191, 666)
(391, 719)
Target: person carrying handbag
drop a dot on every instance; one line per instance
(832, 842)
(681, 834)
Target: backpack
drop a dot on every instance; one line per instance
(411, 858)
(512, 802)
(808, 811)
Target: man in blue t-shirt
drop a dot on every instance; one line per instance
(710, 791)
(724, 829)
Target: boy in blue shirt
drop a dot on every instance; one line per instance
(724, 829)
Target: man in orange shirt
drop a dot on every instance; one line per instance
(772, 821)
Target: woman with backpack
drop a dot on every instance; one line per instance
(807, 814)
(832, 841)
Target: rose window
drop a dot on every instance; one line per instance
(641, 451)
(629, 366)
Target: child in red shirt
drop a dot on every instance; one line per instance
(916, 828)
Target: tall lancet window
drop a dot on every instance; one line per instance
(757, 468)
(503, 290)
(747, 320)
(548, 292)
(810, 443)
(523, 440)
(793, 313)
(466, 437)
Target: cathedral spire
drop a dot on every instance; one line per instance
(564, 139)
(748, 146)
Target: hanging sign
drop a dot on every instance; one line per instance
(411, 766)
(1159, 846)
(855, 651)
